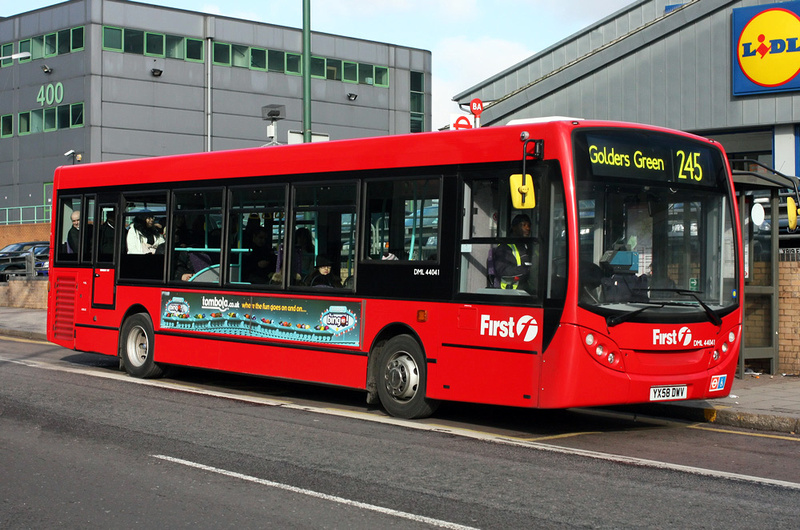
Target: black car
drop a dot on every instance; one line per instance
(13, 258)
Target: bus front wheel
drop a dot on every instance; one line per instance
(402, 379)
(136, 347)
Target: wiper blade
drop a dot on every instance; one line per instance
(712, 316)
(624, 317)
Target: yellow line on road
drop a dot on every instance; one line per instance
(744, 433)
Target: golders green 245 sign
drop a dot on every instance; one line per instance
(766, 48)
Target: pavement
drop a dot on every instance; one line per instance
(761, 402)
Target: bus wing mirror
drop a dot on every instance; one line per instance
(522, 193)
(791, 213)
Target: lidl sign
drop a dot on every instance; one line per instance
(766, 48)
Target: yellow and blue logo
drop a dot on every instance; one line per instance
(766, 55)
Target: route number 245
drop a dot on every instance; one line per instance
(690, 168)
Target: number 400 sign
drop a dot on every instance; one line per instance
(52, 93)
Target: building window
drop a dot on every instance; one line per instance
(76, 115)
(64, 41)
(333, 70)
(294, 64)
(276, 61)
(222, 54)
(350, 72)
(366, 74)
(258, 58)
(24, 123)
(112, 39)
(77, 39)
(417, 102)
(6, 50)
(318, 67)
(174, 47)
(154, 44)
(194, 50)
(25, 46)
(6, 126)
(240, 56)
(134, 41)
(381, 76)
(49, 119)
(51, 45)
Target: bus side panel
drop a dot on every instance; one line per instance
(488, 354)
(484, 376)
(325, 367)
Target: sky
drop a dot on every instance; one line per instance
(471, 40)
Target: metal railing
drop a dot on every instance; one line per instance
(15, 215)
(24, 263)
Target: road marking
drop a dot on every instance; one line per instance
(743, 433)
(317, 495)
(454, 431)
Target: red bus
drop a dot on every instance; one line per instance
(418, 268)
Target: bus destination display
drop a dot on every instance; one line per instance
(683, 162)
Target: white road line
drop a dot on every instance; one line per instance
(324, 496)
(386, 420)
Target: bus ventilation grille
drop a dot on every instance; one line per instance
(64, 322)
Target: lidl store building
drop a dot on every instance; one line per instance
(724, 69)
(114, 79)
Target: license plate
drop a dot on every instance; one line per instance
(664, 393)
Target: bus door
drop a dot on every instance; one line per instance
(104, 266)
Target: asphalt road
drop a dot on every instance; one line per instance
(81, 445)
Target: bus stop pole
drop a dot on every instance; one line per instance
(306, 71)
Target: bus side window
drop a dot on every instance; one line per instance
(324, 237)
(143, 242)
(403, 217)
(68, 240)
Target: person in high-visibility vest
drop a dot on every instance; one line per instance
(512, 261)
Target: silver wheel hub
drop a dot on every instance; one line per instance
(137, 346)
(402, 376)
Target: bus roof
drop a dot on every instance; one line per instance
(484, 145)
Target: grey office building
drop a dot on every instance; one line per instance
(113, 79)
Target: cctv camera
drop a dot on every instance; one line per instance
(70, 152)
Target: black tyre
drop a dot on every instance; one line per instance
(136, 347)
(402, 379)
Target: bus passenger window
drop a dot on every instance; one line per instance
(196, 236)
(324, 236)
(144, 239)
(256, 230)
(403, 217)
(68, 240)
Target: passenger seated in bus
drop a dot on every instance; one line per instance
(259, 264)
(74, 234)
(144, 237)
(302, 256)
(512, 261)
(322, 277)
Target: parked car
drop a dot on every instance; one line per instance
(13, 258)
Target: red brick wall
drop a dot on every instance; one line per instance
(789, 316)
(24, 232)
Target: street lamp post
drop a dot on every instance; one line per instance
(20, 55)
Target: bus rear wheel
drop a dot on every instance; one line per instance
(136, 347)
(402, 379)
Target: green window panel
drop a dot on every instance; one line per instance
(112, 39)
(194, 50)
(154, 44)
(6, 126)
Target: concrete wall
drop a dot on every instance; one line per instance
(22, 292)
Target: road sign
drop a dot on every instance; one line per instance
(461, 122)
(476, 107)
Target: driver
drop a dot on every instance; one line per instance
(512, 261)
